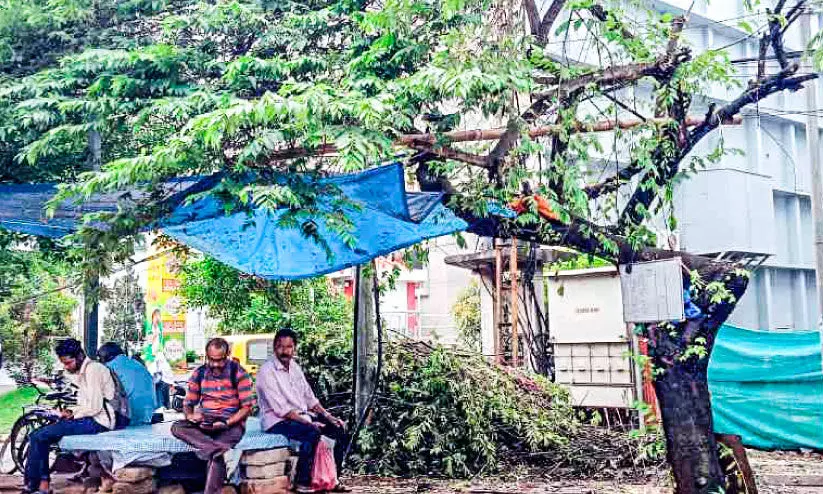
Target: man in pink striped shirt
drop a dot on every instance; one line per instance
(289, 407)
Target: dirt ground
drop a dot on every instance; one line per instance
(777, 473)
(496, 486)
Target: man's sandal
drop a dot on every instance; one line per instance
(341, 487)
(302, 489)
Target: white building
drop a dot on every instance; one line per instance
(756, 203)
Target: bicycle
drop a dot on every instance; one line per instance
(15, 448)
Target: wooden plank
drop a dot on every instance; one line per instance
(514, 297)
(498, 301)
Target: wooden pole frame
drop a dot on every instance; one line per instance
(514, 302)
(498, 301)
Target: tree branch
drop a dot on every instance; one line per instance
(533, 14)
(507, 141)
(549, 18)
(775, 36)
(660, 69)
(754, 93)
(667, 163)
(793, 14)
(588, 238)
(761, 58)
(668, 166)
(450, 153)
(602, 15)
(613, 183)
(674, 36)
(632, 72)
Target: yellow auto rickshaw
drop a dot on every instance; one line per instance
(251, 350)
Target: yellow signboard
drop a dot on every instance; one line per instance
(161, 297)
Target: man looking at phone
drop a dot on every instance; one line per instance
(218, 401)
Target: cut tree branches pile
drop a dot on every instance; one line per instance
(437, 412)
(454, 414)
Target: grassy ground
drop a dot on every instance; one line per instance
(11, 407)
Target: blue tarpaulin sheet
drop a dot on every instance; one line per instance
(384, 216)
(767, 387)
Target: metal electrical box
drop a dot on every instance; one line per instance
(652, 291)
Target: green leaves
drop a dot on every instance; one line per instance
(815, 50)
(33, 311)
(266, 87)
(459, 415)
(467, 317)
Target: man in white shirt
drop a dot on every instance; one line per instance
(94, 413)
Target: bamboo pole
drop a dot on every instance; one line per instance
(514, 294)
(496, 133)
(578, 127)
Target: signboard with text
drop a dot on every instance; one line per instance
(161, 295)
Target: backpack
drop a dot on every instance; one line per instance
(234, 368)
(120, 402)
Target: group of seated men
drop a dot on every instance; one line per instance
(219, 399)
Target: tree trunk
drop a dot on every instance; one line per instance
(683, 390)
(683, 393)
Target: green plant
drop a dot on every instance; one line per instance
(437, 412)
(458, 415)
(252, 88)
(453, 414)
(36, 312)
(466, 313)
(246, 304)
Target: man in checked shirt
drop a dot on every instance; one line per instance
(218, 402)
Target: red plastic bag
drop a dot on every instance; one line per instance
(324, 470)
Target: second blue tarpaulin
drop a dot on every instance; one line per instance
(767, 387)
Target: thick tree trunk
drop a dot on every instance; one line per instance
(683, 393)
(683, 390)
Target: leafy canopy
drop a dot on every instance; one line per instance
(239, 85)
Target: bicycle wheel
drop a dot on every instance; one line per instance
(23, 427)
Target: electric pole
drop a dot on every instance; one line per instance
(91, 289)
(364, 331)
(813, 141)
